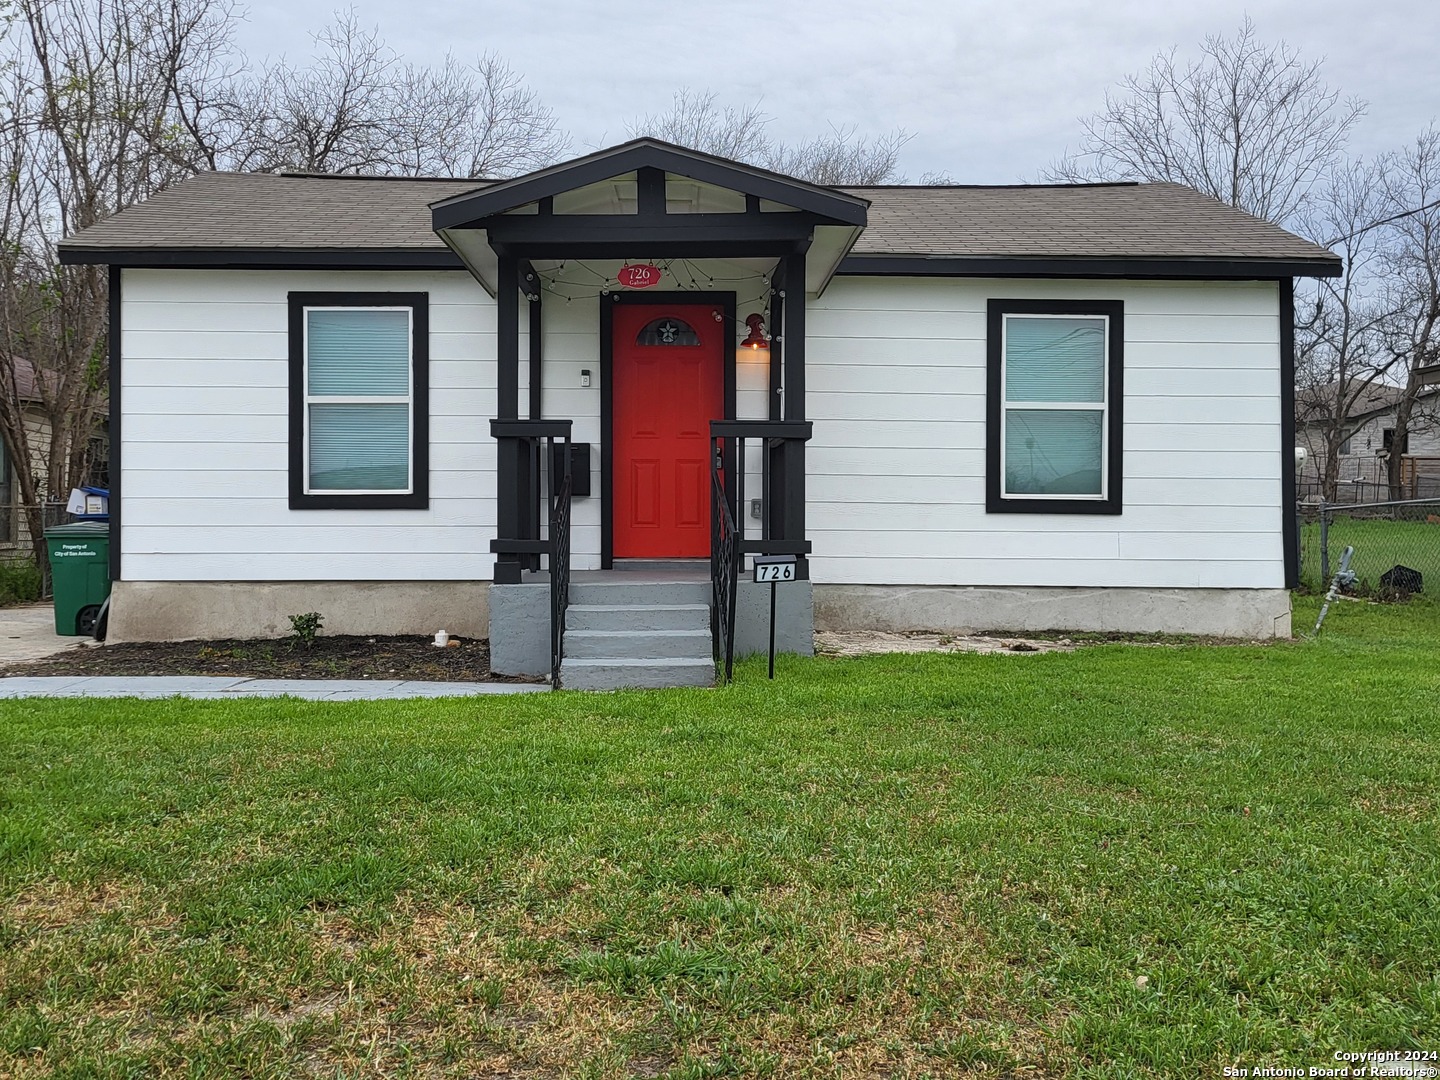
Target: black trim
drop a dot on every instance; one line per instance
(1289, 525)
(419, 303)
(466, 209)
(1113, 502)
(117, 416)
(439, 258)
(607, 392)
(1086, 267)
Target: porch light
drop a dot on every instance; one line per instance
(757, 339)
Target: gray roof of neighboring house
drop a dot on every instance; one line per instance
(295, 212)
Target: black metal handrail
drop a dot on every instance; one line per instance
(724, 569)
(783, 492)
(560, 490)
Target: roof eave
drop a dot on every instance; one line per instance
(1089, 266)
(269, 258)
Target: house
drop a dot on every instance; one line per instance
(1364, 454)
(19, 378)
(1023, 407)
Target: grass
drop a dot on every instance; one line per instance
(1379, 545)
(1122, 861)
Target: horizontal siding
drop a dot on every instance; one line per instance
(896, 379)
(896, 382)
(206, 456)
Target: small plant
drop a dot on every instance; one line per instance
(20, 581)
(306, 627)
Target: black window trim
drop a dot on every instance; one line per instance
(995, 502)
(418, 498)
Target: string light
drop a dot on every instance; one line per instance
(685, 275)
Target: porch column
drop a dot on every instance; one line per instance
(511, 459)
(792, 461)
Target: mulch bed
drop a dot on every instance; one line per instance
(331, 657)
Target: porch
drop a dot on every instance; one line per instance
(643, 434)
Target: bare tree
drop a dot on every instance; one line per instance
(1340, 356)
(1412, 280)
(358, 108)
(86, 130)
(842, 156)
(1250, 124)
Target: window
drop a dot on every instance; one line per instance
(359, 401)
(1055, 392)
(1387, 442)
(667, 331)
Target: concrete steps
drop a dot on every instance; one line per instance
(637, 633)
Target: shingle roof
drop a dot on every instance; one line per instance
(281, 212)
(290, 212)
(1160, 220)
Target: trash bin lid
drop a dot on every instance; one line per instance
(89, 529)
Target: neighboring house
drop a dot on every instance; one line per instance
(983, 407)
(14, 534)
(1364, 454)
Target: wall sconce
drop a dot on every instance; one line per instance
(757, 344)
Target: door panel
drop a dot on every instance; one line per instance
(668, 384)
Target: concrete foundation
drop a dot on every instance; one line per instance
(794, 618)
(188, 610)
(1237, 613)
(520, 629)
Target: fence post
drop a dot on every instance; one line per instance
(1324, 545)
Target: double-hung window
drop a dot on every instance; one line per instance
(1055, 397)
(359, 401)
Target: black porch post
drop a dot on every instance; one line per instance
(770, 493)
(792, 464)
(511, 521)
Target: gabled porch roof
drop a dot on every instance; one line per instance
(651, 199)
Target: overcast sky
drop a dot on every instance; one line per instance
(991, 91)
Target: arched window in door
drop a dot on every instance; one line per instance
(667, 330)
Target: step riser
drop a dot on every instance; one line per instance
(639, 594)
(600, 676)
(638, 618)
(681, 644)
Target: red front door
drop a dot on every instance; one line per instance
(668, 383)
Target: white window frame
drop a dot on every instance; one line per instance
(353, 399)
(1102, 407)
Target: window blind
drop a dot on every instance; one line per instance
(358, 353)
(1054, 361)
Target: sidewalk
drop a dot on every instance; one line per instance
(77, 686)
(27, 632)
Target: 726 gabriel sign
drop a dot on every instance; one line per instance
(638, 275)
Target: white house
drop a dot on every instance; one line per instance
(1365, 452)
(1059, 407)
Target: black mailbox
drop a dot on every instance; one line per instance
(579, 466)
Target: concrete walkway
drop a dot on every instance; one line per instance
(166, 686)
(28, 633)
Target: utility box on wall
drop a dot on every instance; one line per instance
(579, 466)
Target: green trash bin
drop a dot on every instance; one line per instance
(80, 573)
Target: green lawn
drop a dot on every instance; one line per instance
(1122, 861)
(1379, 545)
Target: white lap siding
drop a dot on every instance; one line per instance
(204, 480)
(896, 471)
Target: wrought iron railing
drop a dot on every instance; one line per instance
(724, 569)
(782, 476)
(560, 489)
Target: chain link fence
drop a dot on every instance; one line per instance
(1397, 545)
(23, 574)
(1355, 492)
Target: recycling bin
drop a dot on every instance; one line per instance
(79, 573)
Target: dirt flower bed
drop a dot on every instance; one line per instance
(330, 657)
